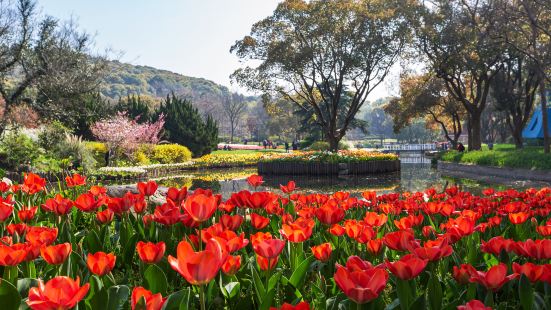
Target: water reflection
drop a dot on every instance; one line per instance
(416, 174)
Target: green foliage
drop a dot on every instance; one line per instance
(98, 150)
(324, 146)
(503, 156)
(53, 134)
(17, 150)
(184, 125)
(75, 148)
(170, 153)
(137, 107)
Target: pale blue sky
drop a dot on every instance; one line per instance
(191, 37)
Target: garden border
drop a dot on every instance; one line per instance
(331, 169)
(478, 172)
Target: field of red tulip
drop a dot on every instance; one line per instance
(77, 247)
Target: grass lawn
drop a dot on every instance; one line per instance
(503, 155)
(218, 152)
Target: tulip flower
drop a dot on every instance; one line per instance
(337, 230)
(149, 252)
(6, 210)
(474, 305)
(19, 228)
(375, 219)
(266, 264)
(400, 240)
(201, 207)
(101, 263)
(167, 214)
(496, 245)
(32, 183)
(56, 254)
(259, 221)
(255, 180)
(11, 256)
(75, 180)
(199, 268)
(360, 281)
(408, 267)
(494, 278)
(147, 188)
(32, 250)
(532, 271)
(87, 202)
(151, 301)
(41, 235)
(60, 293)
(518, 218)
(463, 273)
(286, 306)
(374, 246)
(269, 248)
(231, 265)
(289, 188)
(433, 250)
(97, 190)
(298, 231)
(58, 205)
(231, 222)
(27, 214)
(322, 252)
(105, 216)
(234, 242)
(535, 249)
(177, 195)
(329, 214)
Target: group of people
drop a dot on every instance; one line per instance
(268, 144)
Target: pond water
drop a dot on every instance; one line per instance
(417, 174)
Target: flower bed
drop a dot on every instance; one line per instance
(259, 249)
(344, 156)
(221, 146)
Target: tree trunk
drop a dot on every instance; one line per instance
(231, 135)
(475, 142)
(544, 116)
(333, 143)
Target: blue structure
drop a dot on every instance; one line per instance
(534, 128)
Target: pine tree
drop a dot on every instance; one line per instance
(136, 108)
(184, 125)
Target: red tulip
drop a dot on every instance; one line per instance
(494, 278)
(101, 263)
(6, 208)
(231, 222)
(329, 214)
(463, 273)
(433, 250)
(97, 190)
(474, 305)
(87, 202)
(258, 221)
(19, 228)
(544, 230)
(201, 207)
(147, 189)
(299, 231)
(198, 268)
(152, 301)
(266, 263)
(58, 205)
(337, 230)
(269, 248)
(255, 180)
(531, 271)
(322, 252)
(234, 242)
(496, 245)
(11, 256)
(149, 252)
(59, 293)
(536, 249)
(374, 246)
(105, 216)
(518, 218)
(261, 200)
(41, 235)
(408, 267)
(75, 180)
(375, 219)
(177, 195)
(360, 281)
(231, 265)
(289, 188)
(32, 183)
(56, 254)
(400, 240)
(26, 215)
(286, 306)
(32, 251)
(167, 214)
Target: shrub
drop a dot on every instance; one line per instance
(98, 150)
(75, 149)
(18, 150)
(170, 153)
(52, 135)
(324, 146)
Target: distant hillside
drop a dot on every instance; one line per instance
(126, 79)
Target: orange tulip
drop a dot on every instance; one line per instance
(269, 248)
(75, 180)
(59, 293)
(374, 246)
(289, 188)
(322, 252)
(105, 216)
(27, 214)
(360, 281)
(101, 263)
(87, 202)
(201, 207)
(255, 180)
(266, 264)
(149, 252)
(298, 231)
(41, 235)
(231, 265)
(199, 268)
(58, 205)
(11, 255)
(518, 218)
(56, 254)
(152, 301)
(408, 267)
(147, 189)
(329, 214)
(19, 228)
(32, 183)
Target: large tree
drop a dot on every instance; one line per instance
(309, 52)
(458, 38)
(235, 107)
(427, 96)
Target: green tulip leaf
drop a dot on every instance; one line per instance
(155, 280)
(9, 296)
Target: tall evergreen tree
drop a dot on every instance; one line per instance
(184, 125)
(136, 108)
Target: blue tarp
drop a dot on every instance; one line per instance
(534, 129)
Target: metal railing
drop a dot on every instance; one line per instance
(409, 147)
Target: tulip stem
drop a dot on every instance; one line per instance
(202, 297)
